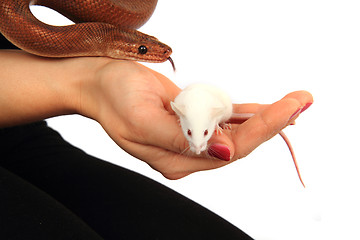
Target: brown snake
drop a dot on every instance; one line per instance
(103, 28)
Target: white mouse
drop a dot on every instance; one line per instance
(201, 109)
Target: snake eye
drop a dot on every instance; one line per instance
(189, 132)
(142, 49)
(206, 132)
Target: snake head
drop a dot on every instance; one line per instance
(130, 44)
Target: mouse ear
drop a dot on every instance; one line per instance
(178, 109)
(216, 112)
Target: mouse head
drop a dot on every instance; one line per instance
(197, 127)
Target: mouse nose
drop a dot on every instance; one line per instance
(197, 150)
(200, 148)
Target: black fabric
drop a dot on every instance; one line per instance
(50, 189)
(5, 44)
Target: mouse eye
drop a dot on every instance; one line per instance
(189, 132)
(206, 132)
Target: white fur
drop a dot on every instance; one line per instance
(201, 107)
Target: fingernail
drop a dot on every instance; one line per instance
(295, 114)
(219, 151)
(306, 107)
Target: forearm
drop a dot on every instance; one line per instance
(34, 88)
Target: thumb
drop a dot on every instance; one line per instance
(221, 146)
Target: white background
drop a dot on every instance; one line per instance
(258, 51)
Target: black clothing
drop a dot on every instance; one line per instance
(51, 190)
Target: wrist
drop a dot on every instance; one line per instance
(34, 88)
(87, 91)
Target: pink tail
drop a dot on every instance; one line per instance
(239, 118)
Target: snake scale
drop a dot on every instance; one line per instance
(102, 28)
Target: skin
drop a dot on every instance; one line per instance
(107, 90)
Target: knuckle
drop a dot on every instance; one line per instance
(265, 128)
(291, 102)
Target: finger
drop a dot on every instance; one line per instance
(268, 122)
(221, 146)
(242, 112)
(303, 97)
(248, 107)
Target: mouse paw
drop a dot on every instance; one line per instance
(225, 126)
(222, 126)
(218, 130)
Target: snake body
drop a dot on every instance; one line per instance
(102, 28)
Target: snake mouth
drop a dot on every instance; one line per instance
(172, 63)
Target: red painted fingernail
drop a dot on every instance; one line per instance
(295, 114)
(306, 107)
(219, 151)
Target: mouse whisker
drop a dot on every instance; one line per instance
(185, 153)
(211, 158)
(185, 150)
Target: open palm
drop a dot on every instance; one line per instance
(132, 103)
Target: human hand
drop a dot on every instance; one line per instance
(132, 103)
